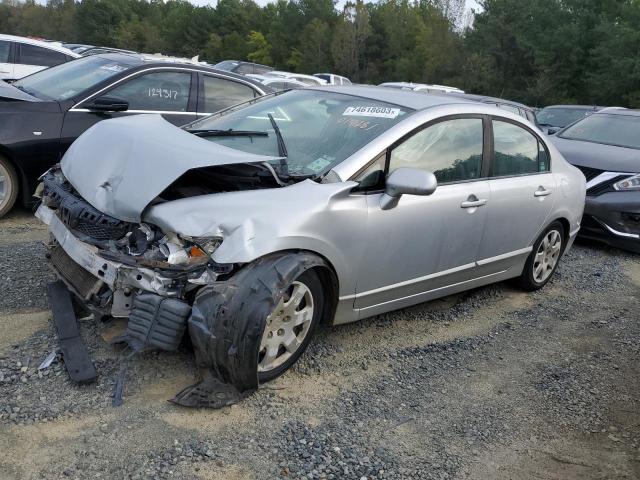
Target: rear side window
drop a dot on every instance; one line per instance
(244, 68)
(33, 55)
(451, 149)
(158, 92)
(220, 93)
(260, 69)
(517, 151)
(5, 47)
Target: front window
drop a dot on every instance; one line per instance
(158, 92)
(617, 130)
(451, 149)
(70, 79)
(319, 129)
(560, 117)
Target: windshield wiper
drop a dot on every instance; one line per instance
(229, 133)
(282, 148)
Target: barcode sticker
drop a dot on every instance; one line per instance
(379, 112)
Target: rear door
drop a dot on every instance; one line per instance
(170, 93)
(6, 61)
(217, 93)
(523, 191)
(427, 242)
(33, 58)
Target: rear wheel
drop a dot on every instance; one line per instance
(290, 326)
(8, 186)
(544, 258)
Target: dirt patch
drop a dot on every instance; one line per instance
(18, 327)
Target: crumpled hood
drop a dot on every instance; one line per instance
(596, 155)
(8, 91)
(121, 165)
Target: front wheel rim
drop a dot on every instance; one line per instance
(287, 327)
(547, 256)
(5, 185)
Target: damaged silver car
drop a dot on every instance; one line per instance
(325, 205)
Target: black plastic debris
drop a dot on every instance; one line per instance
(74, 351)
(226, 326)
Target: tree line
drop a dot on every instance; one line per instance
(538, 52)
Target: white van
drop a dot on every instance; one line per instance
(21, 56)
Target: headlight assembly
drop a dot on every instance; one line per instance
(629, 183)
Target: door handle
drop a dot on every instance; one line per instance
(470, 203)
(541, 192)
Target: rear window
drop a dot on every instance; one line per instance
(616, 130)
(42, 57)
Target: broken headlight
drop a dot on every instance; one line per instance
(185, 250)
(629, 183)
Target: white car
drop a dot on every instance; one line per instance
(301, 77)
(21, 56)
(277, 83)
(332, 79)
(422, 87)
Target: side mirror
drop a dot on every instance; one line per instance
(410, 181)
(107, 104)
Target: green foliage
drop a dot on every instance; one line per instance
(538, 52)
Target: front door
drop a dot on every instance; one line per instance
(168, 93)
(523, 190)
(426, 243)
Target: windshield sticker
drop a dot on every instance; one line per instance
(357, 123)
(318, 164)
(113, 67)
(378, 112)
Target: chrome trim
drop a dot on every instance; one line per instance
(414, 280)
(618, 233)
(504, 256)
(604, 176)
(363, 309)
(172, 68)
(159, 112)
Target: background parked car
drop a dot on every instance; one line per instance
(277, 83)
(41, 115)
(421, 87)
(309, 80)
(21, 56)
(333, 79)
(555, 117)
(237, 66)
(605, 146)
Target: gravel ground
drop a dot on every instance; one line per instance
(490, 384)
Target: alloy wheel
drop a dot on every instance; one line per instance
(547, 256)
(287, 327)
(5, 185)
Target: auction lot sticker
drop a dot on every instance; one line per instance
(379, 112)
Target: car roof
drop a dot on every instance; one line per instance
(402, 98)
(57, 46)
(137, 60)
(488, 99)
(577, 107)
(628, 112)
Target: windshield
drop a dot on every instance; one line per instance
(319, 129)
(617, 130)
(69, 79)
(561, 117)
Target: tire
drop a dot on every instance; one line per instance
(8, 186)
(310, 284)
(543, 260)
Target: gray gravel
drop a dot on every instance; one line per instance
(447, 391)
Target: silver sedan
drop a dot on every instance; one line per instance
(330, 204)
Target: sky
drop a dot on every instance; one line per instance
(470, 3)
